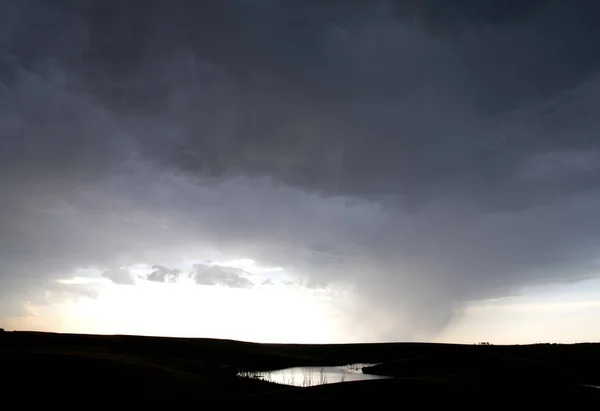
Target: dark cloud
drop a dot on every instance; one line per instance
(424, 152)
(161, 274)
(342, 99)
(371, 78)
(370, 106)
(213, 274)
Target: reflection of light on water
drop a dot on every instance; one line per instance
(310, 376)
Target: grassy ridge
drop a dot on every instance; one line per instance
(154, 369)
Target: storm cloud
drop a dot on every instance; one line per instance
(161, 274)
(423, 153)
(214, 274)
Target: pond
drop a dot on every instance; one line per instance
(310, 376)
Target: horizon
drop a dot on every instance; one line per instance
(480, 343)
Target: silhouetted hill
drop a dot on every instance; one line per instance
(156, 371)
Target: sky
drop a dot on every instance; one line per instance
(315, 171)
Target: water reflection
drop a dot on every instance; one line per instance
(310, 376)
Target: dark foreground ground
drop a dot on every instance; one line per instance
(75, 371)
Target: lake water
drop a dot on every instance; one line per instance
(309, 376)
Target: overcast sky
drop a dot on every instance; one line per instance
(301, 170)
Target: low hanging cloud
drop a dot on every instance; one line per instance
(161, 274)
(205, 274)
(423, 159)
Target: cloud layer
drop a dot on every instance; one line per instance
(424, 158)
(214, 274)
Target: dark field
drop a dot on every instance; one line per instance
(87, 370)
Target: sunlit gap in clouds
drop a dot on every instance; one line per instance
(277, 308)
